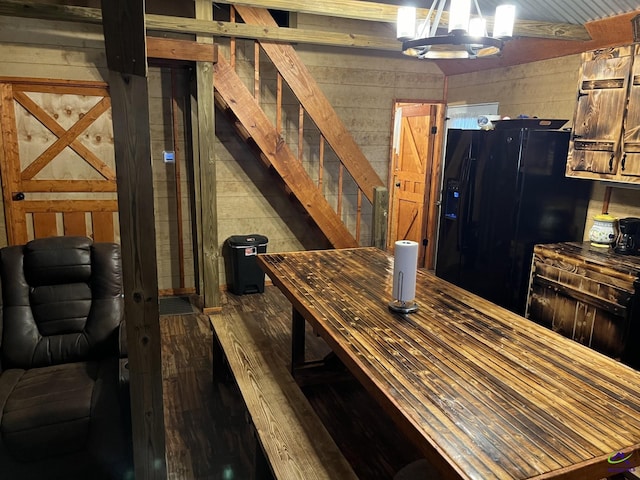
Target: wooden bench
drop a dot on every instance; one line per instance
(293, 442)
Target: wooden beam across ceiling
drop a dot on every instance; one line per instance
(381, 12)
(186, 50)
(277, 34)
(349, 8)
(165, 23)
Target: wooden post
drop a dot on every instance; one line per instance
(380, 217)
(125, 44)
(175, 108)
(206, 137)
(196, 211)
(606, 200)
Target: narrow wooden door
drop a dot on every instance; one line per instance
(413, 178)
(56, 160)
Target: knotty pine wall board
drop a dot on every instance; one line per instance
(342, 25)
(362, 88)
(50, 34)
(366, 108)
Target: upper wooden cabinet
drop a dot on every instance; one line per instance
(605, 143)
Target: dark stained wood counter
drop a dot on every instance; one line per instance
(588, 294)
(485, 393)
(603, 260)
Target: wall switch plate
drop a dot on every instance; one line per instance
(168, 156)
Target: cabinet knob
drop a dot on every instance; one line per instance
(611, 162)
(624, 160)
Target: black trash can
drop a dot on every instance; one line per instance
(243, 273)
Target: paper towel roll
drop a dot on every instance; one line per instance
(405, 266)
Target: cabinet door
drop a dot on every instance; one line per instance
(584, 322)
(630, 161)
(587, 306)
(597, 124)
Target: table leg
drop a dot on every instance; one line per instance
(297, 340)
(327, 369)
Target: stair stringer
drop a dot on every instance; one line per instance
(315, 103)
(260, 129)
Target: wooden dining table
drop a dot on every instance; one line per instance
(482, 392)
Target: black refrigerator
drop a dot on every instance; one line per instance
(503, 192)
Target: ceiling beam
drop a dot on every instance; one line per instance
(185, 50)
(278, 34)
(167, 23)
(381, 12)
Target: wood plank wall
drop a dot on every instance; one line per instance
(546, 89)
(34, 48)
(62, 50)
(361, 86)
(164, 176)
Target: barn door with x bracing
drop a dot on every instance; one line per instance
(57, 159)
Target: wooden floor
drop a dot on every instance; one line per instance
(207, 433)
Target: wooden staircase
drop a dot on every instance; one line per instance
(255, 127)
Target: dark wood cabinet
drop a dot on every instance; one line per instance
(588, 294)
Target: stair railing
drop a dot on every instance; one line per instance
(355, 206)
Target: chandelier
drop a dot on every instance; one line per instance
(467, 37)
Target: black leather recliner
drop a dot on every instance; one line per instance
(63, 408)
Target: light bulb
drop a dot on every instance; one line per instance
(459, 14)
(477, 27)
(406, 23)
(504, 19)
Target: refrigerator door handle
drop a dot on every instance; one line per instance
(466, 214)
